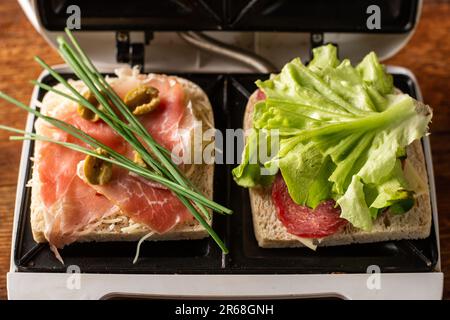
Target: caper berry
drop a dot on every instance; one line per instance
(86, 113)
(142, 100)
(96, 170)
(138, 159)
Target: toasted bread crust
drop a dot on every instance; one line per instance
(415, 224)
(118, 227)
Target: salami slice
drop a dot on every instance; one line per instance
(303, 221)
(260, 95)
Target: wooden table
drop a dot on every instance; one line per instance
(427, 55)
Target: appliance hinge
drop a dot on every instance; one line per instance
(132, 53)
(316, 40)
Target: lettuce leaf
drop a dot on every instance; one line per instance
(250, 172)
(342, 133)
(306, 171)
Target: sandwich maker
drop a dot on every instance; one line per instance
(163, 36)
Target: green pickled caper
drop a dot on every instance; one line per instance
(96, 170)
(86, 113)
(142, 99)
(138, 159)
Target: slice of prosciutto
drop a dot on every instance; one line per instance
(72, 204)
(164, 123)
(303, 221)
(144, 201)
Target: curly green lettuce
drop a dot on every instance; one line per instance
(343, 131)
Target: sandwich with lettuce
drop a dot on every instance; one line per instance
(333, 155)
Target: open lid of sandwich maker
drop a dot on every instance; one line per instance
(152, 34)
(145, 32)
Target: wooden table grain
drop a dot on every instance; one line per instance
(427, 55)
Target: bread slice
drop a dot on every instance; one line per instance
(415, 224)
(118, 227)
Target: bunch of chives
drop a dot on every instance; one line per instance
(160, 169)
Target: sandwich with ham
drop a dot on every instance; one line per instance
(348, 166)
(67, 208)
(114, 156)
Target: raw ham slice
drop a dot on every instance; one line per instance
(163, 123)
(156, 207)
(57, 165)
(78, 208)
(303, 221)
(70, 203)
